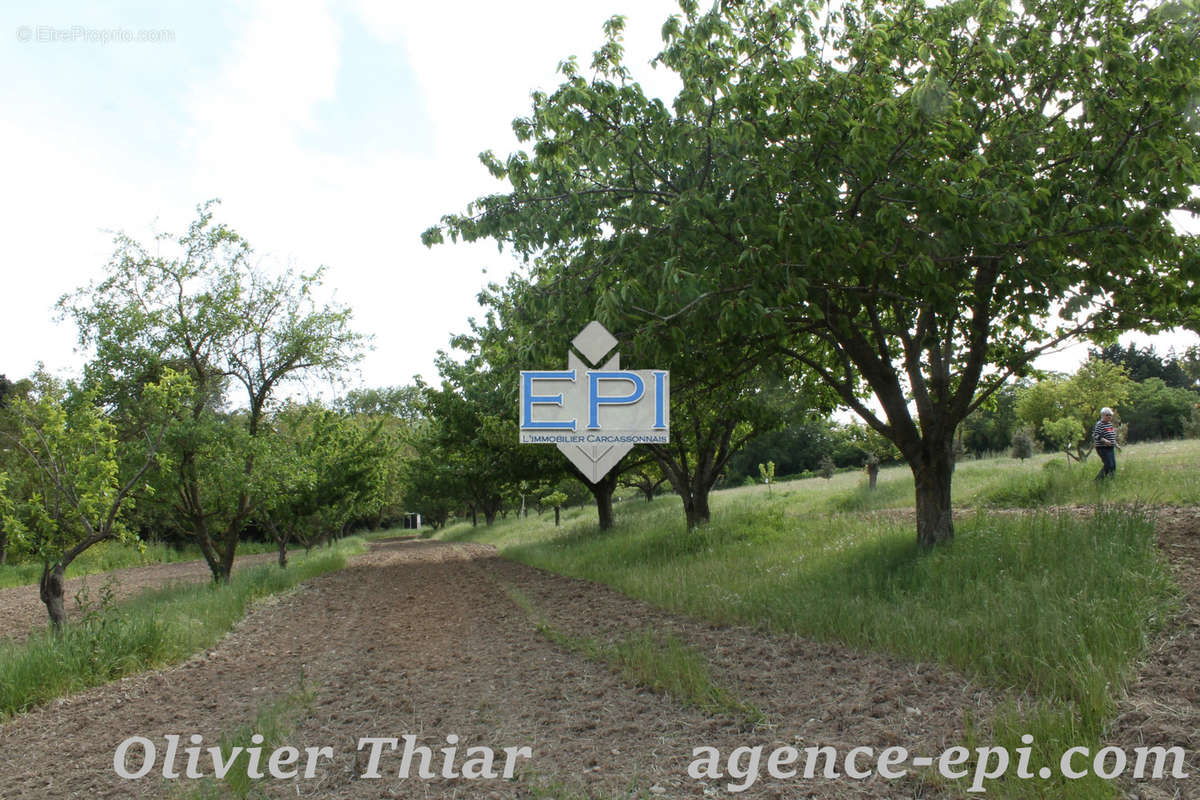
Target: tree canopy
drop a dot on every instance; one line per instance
(908, 201)
(196, 303)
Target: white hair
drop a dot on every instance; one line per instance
(1105, 410)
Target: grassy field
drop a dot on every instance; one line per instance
(1164, 473)
(1050, 609)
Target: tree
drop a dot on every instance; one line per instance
(646, 477)
(707, 430)
(1062, 410)
(797, 447)
(431, 486)
(1145, 363)
(8, 428)
(714, 412)
(990, 427)
(1157, 411)
(1189, 362)
(323, 468)
(206, 311)
(767, 473)
(82, 483)
(826, 467)
(898, 197)
(399, 413)
(876, 450)
(555, 500)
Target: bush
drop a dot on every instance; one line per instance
(826, 467)
(1022, 443)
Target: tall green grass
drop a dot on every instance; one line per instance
(152, 630)
(661, 663)
(1162, 473)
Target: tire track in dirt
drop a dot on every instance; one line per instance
(420, 638)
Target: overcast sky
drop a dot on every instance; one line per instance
(333, 133)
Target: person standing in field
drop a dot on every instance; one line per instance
(1104, 436)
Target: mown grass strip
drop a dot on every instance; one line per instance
(663, 664)
(152, 630)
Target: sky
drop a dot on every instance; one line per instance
(332, 134)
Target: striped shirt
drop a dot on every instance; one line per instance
(1103, 435)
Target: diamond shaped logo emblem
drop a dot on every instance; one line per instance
(594, 342)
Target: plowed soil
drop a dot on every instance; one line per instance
(424, 639)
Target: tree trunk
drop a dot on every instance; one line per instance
(3, 546)
(872, 475)
(208, 548)
(228, 549)
(282, 545)
(51, 591)
(602, 491)
(695, 507)
(556, 516)
(932, 475)
(693, 489)
(604, 508)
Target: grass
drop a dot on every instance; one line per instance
(661, 663)
(107, 556)
(1010, 601)
(273, 722)
(1051, 610)
(1162, 473)
(152, 630)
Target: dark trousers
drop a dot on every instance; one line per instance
(1108, 460)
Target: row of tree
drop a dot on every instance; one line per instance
(885, 199)
(879, 199)
(177, 428)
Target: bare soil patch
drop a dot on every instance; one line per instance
(422, 638)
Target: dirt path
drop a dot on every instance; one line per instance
(22, 611)
(1162, 707)
(424, 638)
